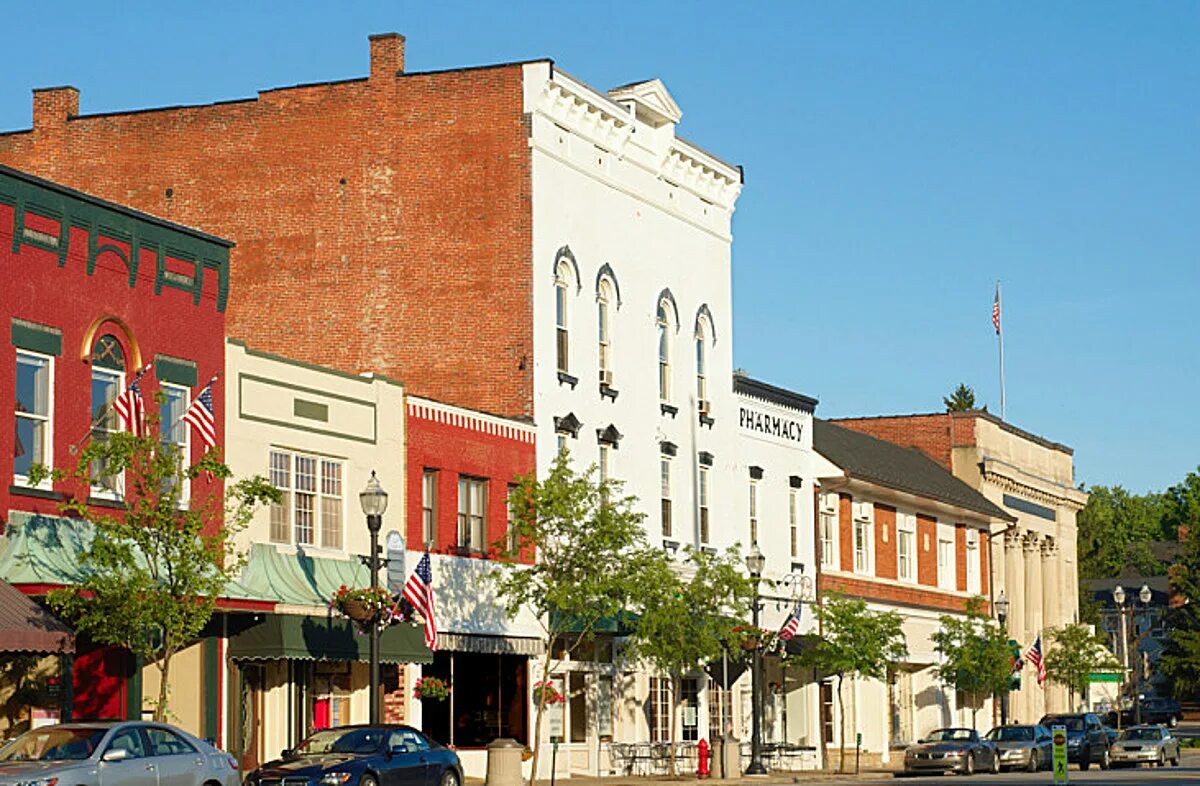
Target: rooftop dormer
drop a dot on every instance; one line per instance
(650, 102)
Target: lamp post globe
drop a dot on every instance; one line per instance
(1119, 595)
(374, 502)
(1144, 594)
(755, 562)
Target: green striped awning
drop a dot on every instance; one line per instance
(297, 637)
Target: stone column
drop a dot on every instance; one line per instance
(1014, 590)
(1057, 698)
(1036, 703)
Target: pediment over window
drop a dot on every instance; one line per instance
(650, 101)
(608, 435)
(568, 424)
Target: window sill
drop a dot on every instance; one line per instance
(608, 391)
(668, 409)
(671, 546)
(35, 491)
(106, 502)
(705, 420)
(566, 379)
(709, 550)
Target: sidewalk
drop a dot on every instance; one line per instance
(780, 777)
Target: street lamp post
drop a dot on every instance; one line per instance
(374, 502)
(754, 563)
(1002, 616)
(1129, 660)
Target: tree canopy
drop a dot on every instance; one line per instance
(1073, 655)
(961, 399)
(976, 659)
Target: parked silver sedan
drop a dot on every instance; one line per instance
(114, 754)
(1027, 747)
(1145, 745)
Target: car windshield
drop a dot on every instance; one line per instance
(54, 744)
(949, 735)
(1072, 724)
(1011, 734)
(342, 741)
(1141, 734)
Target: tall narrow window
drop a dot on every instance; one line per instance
(512, 540)
(604, 337)
(472, 513)
(829, 525)
(561, 282)
(605, 464)
(331, 504)
(945, 557)
(306, 500)
(174, 432)
(753, 511)
(794, 520)
(429, 483)
(664, 352)
(664, 464)
(281, 478)
(108, 380)
(660, 709)
(703, 484)
(906, 546)
(863, 546)
(701, 368)
(34, 425)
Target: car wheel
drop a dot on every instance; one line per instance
(1034, 764)
(995, 762)
(1162, 759)
(368, 780)
(1175, 758)
(1105, 760)
(969, 765)
(449, 778)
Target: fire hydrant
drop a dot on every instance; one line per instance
(702, 760)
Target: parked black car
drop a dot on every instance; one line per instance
(1087, 742)
(383, 755)
(1155, 709)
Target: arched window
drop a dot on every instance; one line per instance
(702, 366)
(663, 320)
(108, 380)
(604, 299)
(562, 281)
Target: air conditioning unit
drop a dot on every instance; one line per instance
(972, 537)
(705, 407)
(863, 510)
(606, 377)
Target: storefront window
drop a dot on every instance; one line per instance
(577, 699)
(689, 705)
(488, 699)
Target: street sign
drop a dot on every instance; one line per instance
(1059, 736)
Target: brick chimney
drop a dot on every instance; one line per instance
(387, 55)
(53, 105)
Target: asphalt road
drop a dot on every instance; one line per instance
(1189, 773)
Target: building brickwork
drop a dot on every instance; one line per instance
(382, 223)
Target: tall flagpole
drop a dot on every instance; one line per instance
(1000, 338)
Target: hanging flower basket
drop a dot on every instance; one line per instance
(747, 637)
(431, 689)
(363, 605)
(547, 692)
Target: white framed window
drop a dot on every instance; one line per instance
(661, 707)
(604, 465)
(34, 405)
(947, 569)
(702, 366)
(429, 495)
(864, 540)
(663, 323)
(311, 511)
(703, 494)
(562, 281)
(173, 431)
(510, 530)
(973, 562)
(604, 301)
(906, 546)
(472, 513)
(753, 511)
(829, 530)
(664, 470)
(794, 521)
(107, 384)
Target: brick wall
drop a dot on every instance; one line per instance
(885, 542)
(381, 224)
(934, 434)
(892, 593)
(960, 551)
(846, 531)
(927, 550)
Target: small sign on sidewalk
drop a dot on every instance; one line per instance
(1059, 736)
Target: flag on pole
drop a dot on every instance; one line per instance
(201, 418)
(996, 310)
(418, 591)
(131, 407)
(1034, 656)
(792, 626)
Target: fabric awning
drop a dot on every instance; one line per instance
(296, 637)
(621, 624)
(27, 627)
(491, 645)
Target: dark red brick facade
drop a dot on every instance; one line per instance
(935, 434)
(382, 223)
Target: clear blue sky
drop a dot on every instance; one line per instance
(900, 157)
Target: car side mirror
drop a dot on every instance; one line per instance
(398, 750)
(115, 754)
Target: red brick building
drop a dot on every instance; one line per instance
(94, 292)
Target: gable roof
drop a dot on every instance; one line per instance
(864, 457)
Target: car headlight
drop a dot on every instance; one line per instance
(336, 778)
(39, 782)
(954, 754)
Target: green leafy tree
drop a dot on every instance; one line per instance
(591, 563)
(976, 659)
(156, 567)
(1073, 655)
(689, 614)
(961, 399)
(855, 642)
(1179, 663)
(1114, 531)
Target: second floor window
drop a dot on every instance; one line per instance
(701, 368)
(34, 438)
(663, 322)
(604, 466)
(665, 479)
(945, 555)
(862, 538)
(108, 381)
(794, 520)
(513, 542)
(906, 547)
(753, 511)
(562, 281)
(429, 483)
(173, 431)
(603, 331)
(829, 525)
(310, 512)
(703, 489)
(472, 514)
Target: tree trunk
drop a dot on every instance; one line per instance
(164, 671)
(841, 727)
(541, 709)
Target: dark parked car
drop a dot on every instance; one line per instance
(1155, 709)
(1087, 742)
(952, 750)
(1027, 747)
(384, 755)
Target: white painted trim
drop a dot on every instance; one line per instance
(457, 417)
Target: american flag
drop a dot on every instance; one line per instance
(418, 591)
(792, 626)
(201, 418)
(996, 311)
(131, 408)
(1034, 656)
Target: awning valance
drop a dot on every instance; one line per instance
(27, 627)
(294, 637)
(491, 645)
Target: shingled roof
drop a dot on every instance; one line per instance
(27, 627)
(864, 457)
